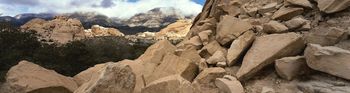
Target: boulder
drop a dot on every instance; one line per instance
(204, 36)
(229, 84)
(218, 56)
(190, 54)
(205, 81)
(296, 23)
(274, 27)
(290, 67)
(86, 75)
(232, 70)
(332, 6)
(27, 77)
(326, 36)
(238, 47)
(229, 28)
(153, 56)
(344, 44)
(137, 68)
(221, 64)
(232, 7)
(268, 8)
(202, 65)
(287, 13)
(251, 11)
(214, 46)
(114, 78)
(266, 49)
(169, 84)
(330, 59)
(194, 42)
(174, 65)
(303, 3)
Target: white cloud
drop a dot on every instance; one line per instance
(120, 8)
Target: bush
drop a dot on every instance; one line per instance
(67, 59)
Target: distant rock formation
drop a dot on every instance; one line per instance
(97, 30)
(152, 21)
(61, 29)
(174, 31)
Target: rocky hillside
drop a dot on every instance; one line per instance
(154, 20)
(234, 46)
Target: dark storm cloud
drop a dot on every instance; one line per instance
(107, 3)
(20, 2)
(77, 2)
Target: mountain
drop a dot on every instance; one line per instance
(152, 21)
(21, 19)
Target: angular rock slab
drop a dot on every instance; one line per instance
(86, 75)
(137, 68)
(31, 78)
(153, 56)
(326, 36)
(296, 23)
(290, 67)
(211, 48)
(229, 84)
(169, 84)
(331, 60)
(332, 6)
(266, 49)
(173, 65)
(205, 81)
(218, 56)
(287, 13)
(303, 3)
(114, 78)
(238, 46)
(230, 28)
(274, 27)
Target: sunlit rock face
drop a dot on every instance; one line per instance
(97, 31)
(176, 30)
(60, 30)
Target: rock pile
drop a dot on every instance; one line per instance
(231, 48)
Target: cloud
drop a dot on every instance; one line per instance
(21, 2)
(111, 8)
(107, 3)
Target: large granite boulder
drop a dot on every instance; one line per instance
(331, 60)
(205, 81)
(238, 47)
(290, 67)
(86, 75)
(266, 49)
(332, 6)
(153, 56)
(174, 65)
(169, 84)
(114, 78)
(231, 28)
(27, 77)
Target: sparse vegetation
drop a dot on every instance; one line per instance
(67, 59)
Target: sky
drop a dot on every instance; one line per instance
(111, 8)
